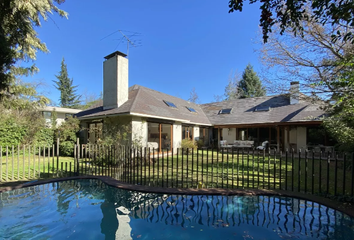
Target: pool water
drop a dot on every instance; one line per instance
(90, 209)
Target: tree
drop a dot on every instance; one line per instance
(324, 68)
(68, 98)
(290, 14)
(340, 123)
(19, 41)
(193, 96)
(250, 85)
(231, 89)
(314, 59)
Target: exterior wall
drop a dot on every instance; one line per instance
(59, 121)
(301, 138)
(139, 131)
(229, 135)
(196, 133)
(297, 135)
(60, 118)
(177, 136)
(115, 82)
(118, 125)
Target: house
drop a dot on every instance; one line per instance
(162, 121)
(156, 119)
(61, 114)
(286, 121)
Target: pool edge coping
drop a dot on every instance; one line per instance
(340, 206)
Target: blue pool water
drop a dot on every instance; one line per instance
(90, 209)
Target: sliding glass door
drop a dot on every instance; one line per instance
(160, 136)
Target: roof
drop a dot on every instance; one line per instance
(146, 102)
(149, 103)
(60, 110)
(280, 110)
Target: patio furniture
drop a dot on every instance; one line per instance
(243, 144)
(263, 146)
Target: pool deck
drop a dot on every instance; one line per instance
(347, 208)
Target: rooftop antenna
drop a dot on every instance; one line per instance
(127, 36)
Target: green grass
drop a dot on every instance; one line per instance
(18, 167)
(243, 171)
(209, 168)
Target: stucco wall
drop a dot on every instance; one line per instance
(229, 136)
(196, 133)
(139, 131)
(115, 82)
(177, 136)
(297, 135)
(301, 138)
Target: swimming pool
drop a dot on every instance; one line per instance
(90, 209)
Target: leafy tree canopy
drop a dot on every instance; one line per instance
(19, 40)
(68, 97)
(250, 85)
(290, 14)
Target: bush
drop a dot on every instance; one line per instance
(67, 134)
(188, 145)
(66, 148)
(200, 143)
(11, 132)
(44, 137)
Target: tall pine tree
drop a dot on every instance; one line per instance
(68, 96)
(250, 85)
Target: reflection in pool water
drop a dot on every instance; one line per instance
(90, 209)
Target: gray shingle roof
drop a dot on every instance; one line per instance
(149, 102)
(243, 111)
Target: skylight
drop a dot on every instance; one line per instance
(170, 104)
(191, 109)
(262, 109)
(225, 111)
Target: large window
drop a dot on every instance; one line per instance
(204, 135)
(187, 132)
(160, 136)
(95, 133)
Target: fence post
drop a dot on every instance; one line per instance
(1, 164)
(57, 154)
(78, 155)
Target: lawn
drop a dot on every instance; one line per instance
(237, 170)
(17, 166)
(203, 168)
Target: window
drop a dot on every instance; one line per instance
(47, 114)
(191, 109)
(160, 136)
(225, 111)
(187, 132)
(170, 104)
(262, 109)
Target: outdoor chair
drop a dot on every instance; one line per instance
(263, 146)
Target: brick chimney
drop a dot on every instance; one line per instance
(294, 92)
(115, 80)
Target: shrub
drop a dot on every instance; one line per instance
(67, 135)
(44, 137)
(188, 145)
(200, 143)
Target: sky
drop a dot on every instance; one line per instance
(179, 45)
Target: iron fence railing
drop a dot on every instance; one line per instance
(325, 174)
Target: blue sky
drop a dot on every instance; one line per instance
(184, 44)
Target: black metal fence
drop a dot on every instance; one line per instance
(309, 172)
(324, 174)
